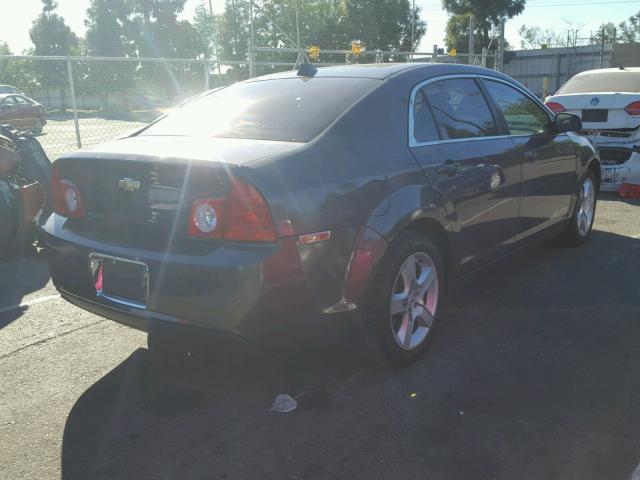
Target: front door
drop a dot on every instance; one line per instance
(455, 139)
(548, 159)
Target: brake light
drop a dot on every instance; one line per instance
(242, 216)
(555, 107)
(248, 218)
(67, 200)
(633, 108)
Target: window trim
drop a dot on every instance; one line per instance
(490, 101)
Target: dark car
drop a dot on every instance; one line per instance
(22, 113)
(290, 198)
(9, 89)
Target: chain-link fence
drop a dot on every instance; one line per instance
(89, 100)
(264, 60)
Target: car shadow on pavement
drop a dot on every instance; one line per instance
(532, 375)
(20, 276)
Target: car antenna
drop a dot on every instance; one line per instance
(306, 70)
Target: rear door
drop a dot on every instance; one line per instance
(455, 138)
(27, 112)
(549, 164)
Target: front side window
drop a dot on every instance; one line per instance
(460, 109)
(523, 115)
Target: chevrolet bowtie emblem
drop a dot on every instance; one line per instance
(128, 184)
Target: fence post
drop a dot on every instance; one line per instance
(73, 102)
(205, 68)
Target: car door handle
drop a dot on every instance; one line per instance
(530, 154)
(449, 168)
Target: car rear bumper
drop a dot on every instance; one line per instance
(615, 175)
(619, 157)
(236, 289)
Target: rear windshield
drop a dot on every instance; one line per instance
(290, 109)
(620, 81)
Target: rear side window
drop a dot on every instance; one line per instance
(287, 109)
(424, 125)
(460, 109)
(523, 115)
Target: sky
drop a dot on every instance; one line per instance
(17, 15)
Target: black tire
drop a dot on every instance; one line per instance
(571, 236)
(377, 322)
(38, 126)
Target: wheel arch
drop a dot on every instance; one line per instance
(594, 166)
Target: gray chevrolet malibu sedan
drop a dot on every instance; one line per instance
(362, 189)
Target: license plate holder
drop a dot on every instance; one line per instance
(120, 280)
(595, 115)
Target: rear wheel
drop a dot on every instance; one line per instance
(579, 227)
(403, 305)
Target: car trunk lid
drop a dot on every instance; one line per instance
(600, 110)
(138, 192)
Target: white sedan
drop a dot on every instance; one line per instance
(608, 101)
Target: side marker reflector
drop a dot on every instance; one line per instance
(314, 237)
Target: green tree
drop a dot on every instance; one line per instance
(381, 24)
(15, 72)
(50, 34)
(607, 32)
(208, 29)
(629, 31)
(487, 13)
(329, 24)
(536, 37)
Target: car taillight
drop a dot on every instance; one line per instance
(242, 216)
(633, 108)
(555, 107)
(66, 197)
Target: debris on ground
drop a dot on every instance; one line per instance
(284, 403)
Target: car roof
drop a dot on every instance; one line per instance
(378, 71)
(603, 71)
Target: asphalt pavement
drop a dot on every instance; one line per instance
(533, 374)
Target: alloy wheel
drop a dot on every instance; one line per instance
(414, 301)
(586, 207)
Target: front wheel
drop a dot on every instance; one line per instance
(402, 312)
(579, 227)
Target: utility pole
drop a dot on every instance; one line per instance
(251, 44)
(501, 47)
(295, 4)
(472, 39)
(413, 26)
(215, 40)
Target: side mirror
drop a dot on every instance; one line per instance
(567, 122)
